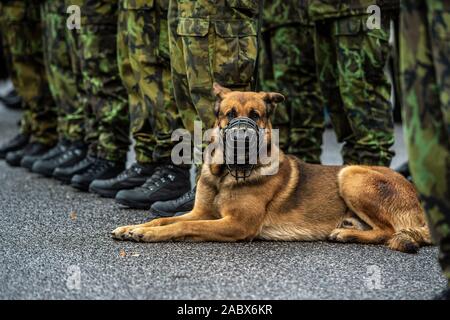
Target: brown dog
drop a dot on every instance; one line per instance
(301, 202)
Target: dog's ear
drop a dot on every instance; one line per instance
(271, 99)
(220, 93)
(275, 97)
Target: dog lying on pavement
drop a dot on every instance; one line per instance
(301, 202)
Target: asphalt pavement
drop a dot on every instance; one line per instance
(55, 244)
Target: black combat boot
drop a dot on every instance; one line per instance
(16, 143)
(65, 174)
(101, 169)
(176, 207)
(29, 160)
(73, 155)
(168, 182)
(32, 149)
(133, 177)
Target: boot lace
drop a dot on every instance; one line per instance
(161, 176)
(99, 166)
(134, 168)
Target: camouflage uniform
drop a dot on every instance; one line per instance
(288, 66)
(4, 73)
(61, 77)
(425, 65)
(22, 34)
(94, 52)
(351, 60)
(144, 63)
(210, 40)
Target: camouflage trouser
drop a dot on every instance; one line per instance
(4, 73)
(61, 77)
(103, 95)
(351, 61)
(210, 41)
(425, 65)
(22, 34)
(144, 63)
(288, 66)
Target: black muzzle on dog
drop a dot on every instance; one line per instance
(242, 139)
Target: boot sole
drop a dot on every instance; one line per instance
(13, 164)
(133, 204)
(47, 174)
(65, 180)
(28, 166)
(80, 186)
(104, 193)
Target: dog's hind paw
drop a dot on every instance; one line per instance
(341, 235)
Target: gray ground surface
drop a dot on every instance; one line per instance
(55, 244)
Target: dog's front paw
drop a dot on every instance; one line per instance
(146, 234)
(340, 235)
(122, 233)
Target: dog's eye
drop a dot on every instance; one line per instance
(231, 114)
(254, 115)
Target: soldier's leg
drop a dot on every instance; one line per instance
(129, 31)
(3, 60)
(51, 47)
(73, 101)
(62, 79)
(79, 120)
(49, 44)
(22, 138)
(208, 42)
(219, 43)
(280, 118)
(4, 72)
(82, 123)
(46, 25)
(106, 113)
(150, 61)
(295, 76)
(364, 88)
(327, 72)
(9, 96)
(6, 21)
(107, 110)
(156, 86)
(64, 87)
(179, 72)
(134, 49)
(425, 83)
(33, 84)
(179, 68)
(24, 39)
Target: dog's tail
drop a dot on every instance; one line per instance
(409, 240)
